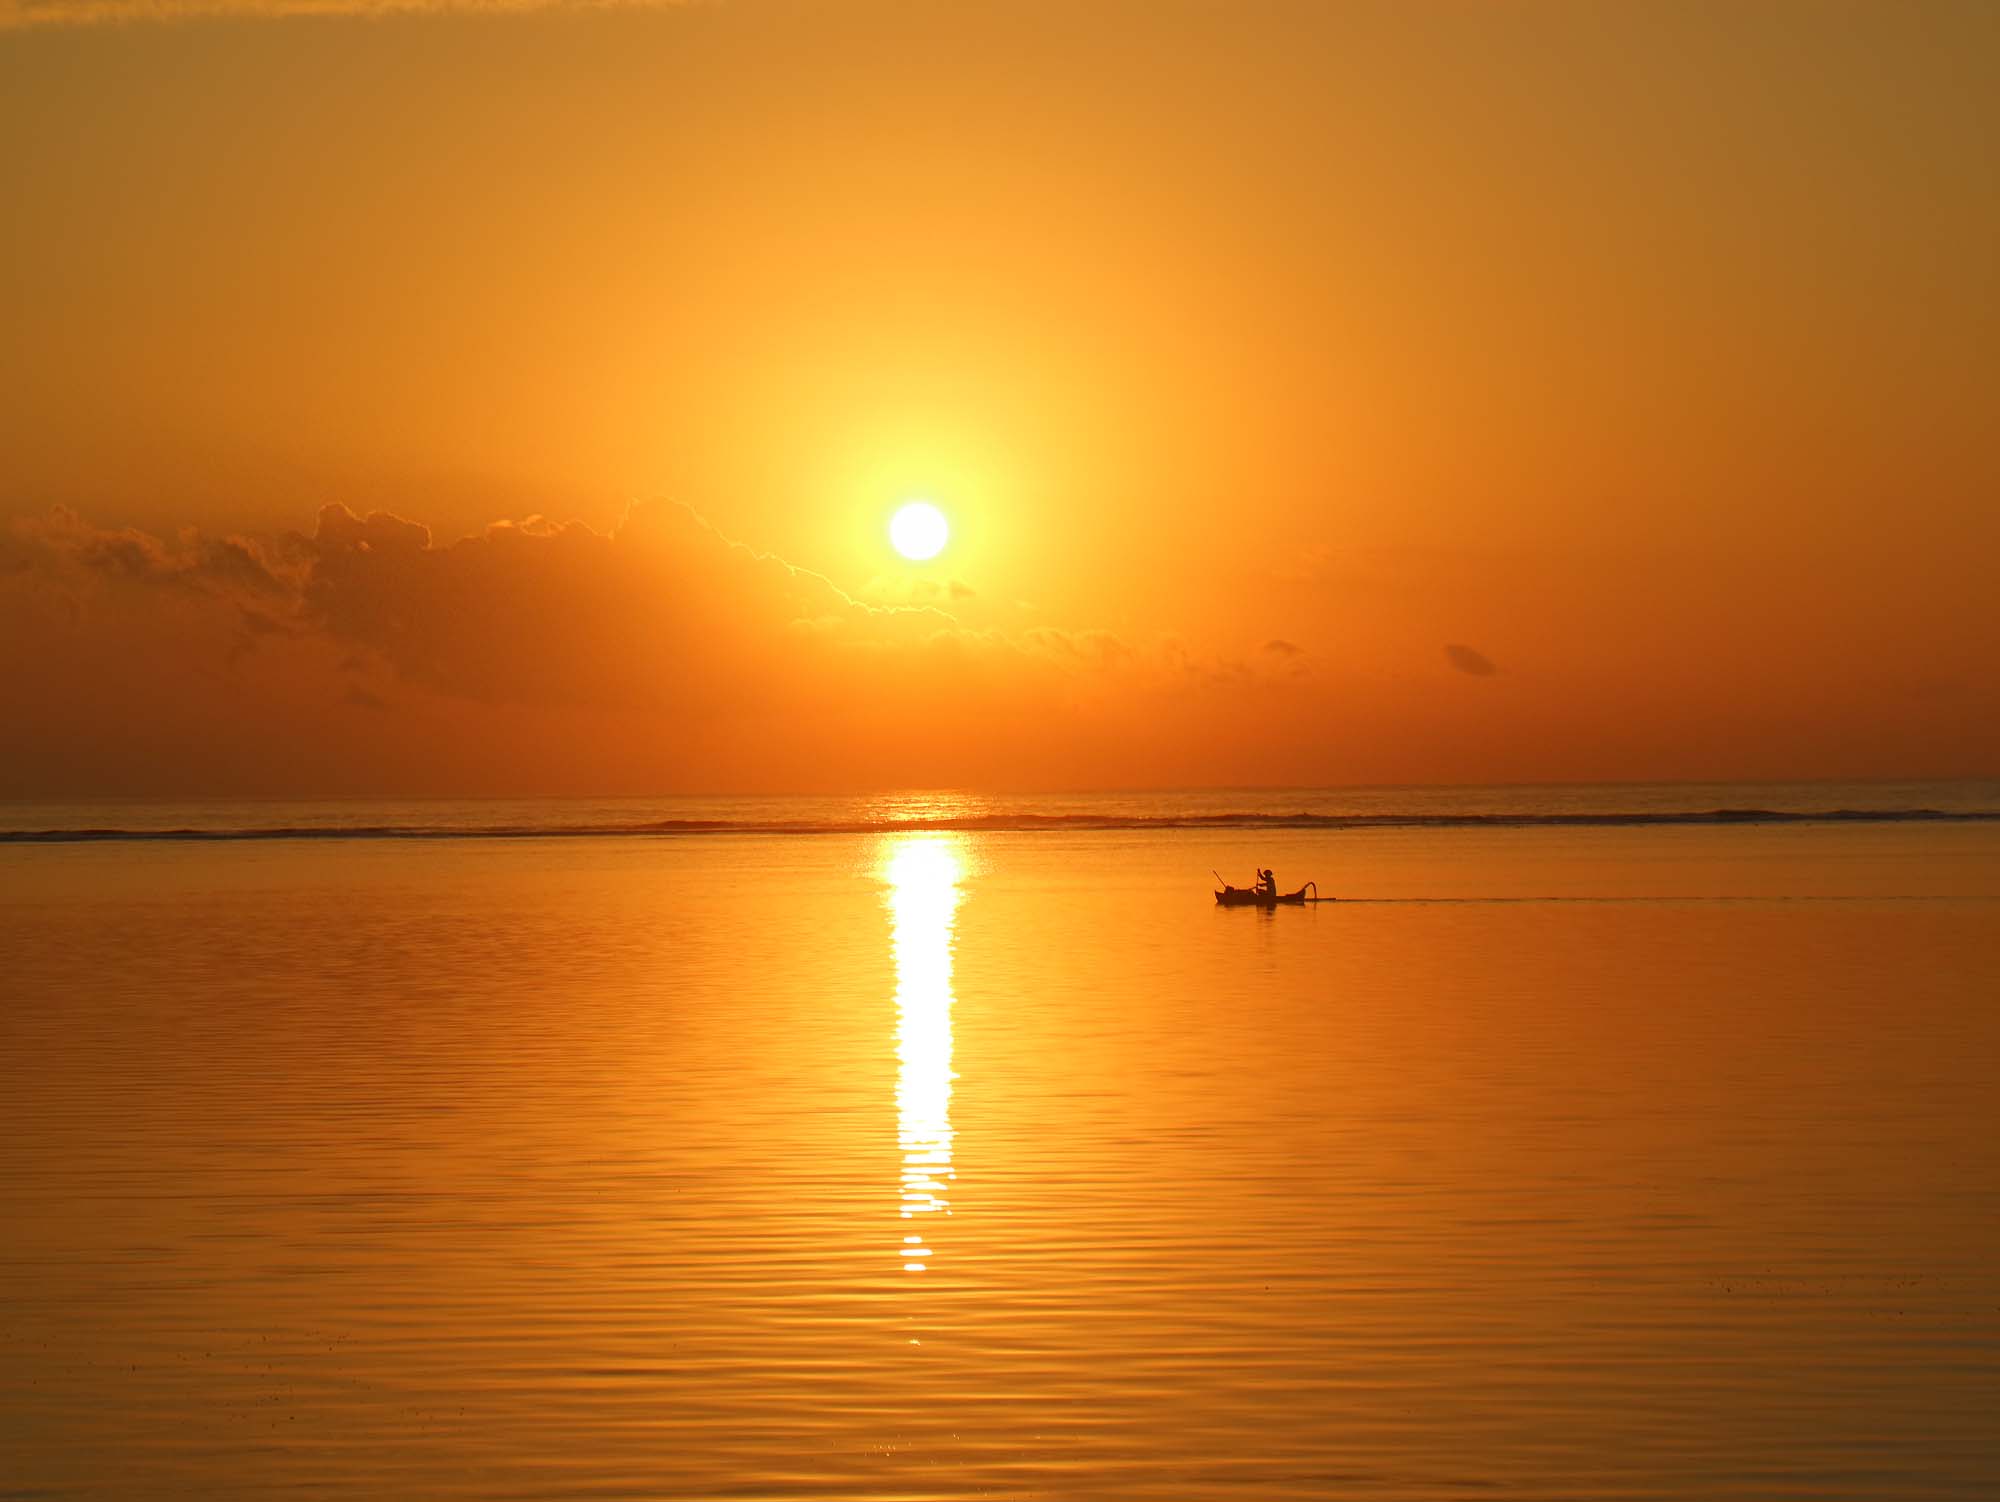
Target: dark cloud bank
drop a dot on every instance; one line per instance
(536, 657)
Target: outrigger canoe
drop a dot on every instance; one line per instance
(1250, 897)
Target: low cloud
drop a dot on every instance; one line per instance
(662, 610)
(890, 589)
(1469, 660)
(229, 566)
(660, 653)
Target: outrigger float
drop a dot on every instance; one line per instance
(1250, 897)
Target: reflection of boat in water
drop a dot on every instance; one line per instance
(1250, 897)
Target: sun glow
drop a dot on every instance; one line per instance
(919, 531)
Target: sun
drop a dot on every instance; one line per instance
(919, 531)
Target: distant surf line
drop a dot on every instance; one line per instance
(1001, 823)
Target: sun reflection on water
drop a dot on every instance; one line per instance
(923, 873)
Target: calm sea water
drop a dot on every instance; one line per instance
(942, 1157)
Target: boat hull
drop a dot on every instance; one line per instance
(1249, 897)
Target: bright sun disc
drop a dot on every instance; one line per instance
(919, 531)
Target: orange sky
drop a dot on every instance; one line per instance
(1260, 354)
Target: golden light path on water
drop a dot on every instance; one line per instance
(923, 872)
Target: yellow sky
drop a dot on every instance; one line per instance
(1647, 352)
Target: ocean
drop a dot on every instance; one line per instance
(1597, 1142)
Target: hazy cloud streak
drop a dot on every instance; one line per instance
(19, 14)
